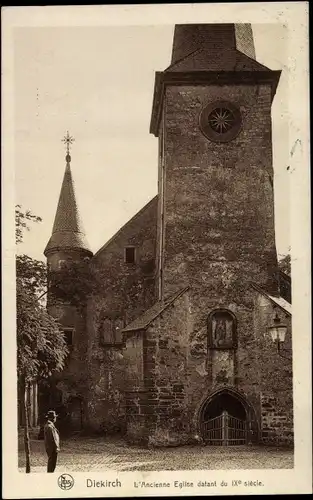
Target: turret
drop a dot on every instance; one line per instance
(68, 241)
(67, 246)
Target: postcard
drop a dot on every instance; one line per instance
(156, 255)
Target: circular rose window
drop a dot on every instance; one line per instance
(220, 121)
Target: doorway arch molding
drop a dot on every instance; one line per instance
(252, 420)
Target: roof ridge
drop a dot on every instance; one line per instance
(173, 64)
(165, 305)
(209, 51)
(285, 275)
(272, 298)
(254, 61)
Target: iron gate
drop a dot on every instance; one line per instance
(225, 430)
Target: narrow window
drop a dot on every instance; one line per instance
(111, 330)
(107, 331)
(69, 334)
(130, 255)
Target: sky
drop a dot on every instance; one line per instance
(97, 82)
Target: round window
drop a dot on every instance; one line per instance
(220, 121)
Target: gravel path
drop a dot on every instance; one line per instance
(99, 454)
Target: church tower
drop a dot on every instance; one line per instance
(212, 115)
(66, 248)
(216, 236)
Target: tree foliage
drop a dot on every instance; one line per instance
(285, 264)
(22, 220)
(31, 274)
(41, 346)
(73, 282)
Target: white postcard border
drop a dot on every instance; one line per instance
(298, 480)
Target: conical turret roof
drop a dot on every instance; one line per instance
(68, 231)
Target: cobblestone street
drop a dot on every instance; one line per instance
(99, 454)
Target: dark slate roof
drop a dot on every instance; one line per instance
(216, 60)
(143, 321)
(218, 37)
(214, 47)
(68, 231)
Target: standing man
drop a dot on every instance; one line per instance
(52, 440)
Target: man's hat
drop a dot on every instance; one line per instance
(51, 414)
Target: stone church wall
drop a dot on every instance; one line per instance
(157, 414)
(67, 389)
(212, 370)
(277, 423)
(220, 250)
(180, 373)
(275, 373)
(233, 239)
(135, 392)
(127, 291)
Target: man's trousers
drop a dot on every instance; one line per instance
(52, 461)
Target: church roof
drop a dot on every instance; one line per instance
(143, 321)
(218, 37)
(214, 47)
(278, 301)
(68, 231)
(205, 59)
(281, 302)
(151, 204)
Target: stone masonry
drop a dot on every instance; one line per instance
(173, 337)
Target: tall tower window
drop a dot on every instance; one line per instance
(130, 255)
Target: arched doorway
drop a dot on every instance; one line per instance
(226, 419)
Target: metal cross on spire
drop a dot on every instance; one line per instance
(68, 141)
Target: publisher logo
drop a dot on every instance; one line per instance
(66, 482)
